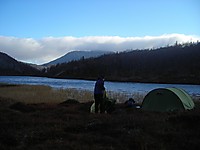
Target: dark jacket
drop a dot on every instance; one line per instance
(99, 87)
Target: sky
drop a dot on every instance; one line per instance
(38, 31)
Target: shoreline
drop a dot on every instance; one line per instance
(48, 94)
(110, 80)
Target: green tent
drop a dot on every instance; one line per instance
(167, 99)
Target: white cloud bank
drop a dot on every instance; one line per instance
(46, 49)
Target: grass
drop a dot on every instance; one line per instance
(45, 94)
(50, 126)
(42, 94)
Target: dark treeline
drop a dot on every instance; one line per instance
(172, 64)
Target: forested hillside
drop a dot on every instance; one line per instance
(10, 66)
(173, 64)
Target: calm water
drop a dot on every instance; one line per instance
(122, 87)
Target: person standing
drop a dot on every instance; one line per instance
(98, 95)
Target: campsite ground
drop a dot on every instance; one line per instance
(69, 125)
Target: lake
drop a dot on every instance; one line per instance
(120, 87)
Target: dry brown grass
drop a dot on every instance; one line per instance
(42, 94)
(122, 97)
(71, 126)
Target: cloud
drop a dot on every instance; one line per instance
(46, 49)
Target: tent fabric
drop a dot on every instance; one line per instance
(167, 99)
(184, 97)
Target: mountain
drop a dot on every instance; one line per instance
(10, 66)
(173, 64)
(76, 55)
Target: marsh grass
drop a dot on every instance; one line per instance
(71, 126)
(34, 94)
(44, 94)
(122, 97)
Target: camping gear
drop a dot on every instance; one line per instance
(130, 103)
(109, 105)
(167, 99)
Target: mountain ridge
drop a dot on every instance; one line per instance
(76, 55)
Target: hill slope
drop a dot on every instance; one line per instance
(10, 66)
(174, 64)
(76, 55)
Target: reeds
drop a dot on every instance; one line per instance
(71, 126)
(44, 94)
(122, 97)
